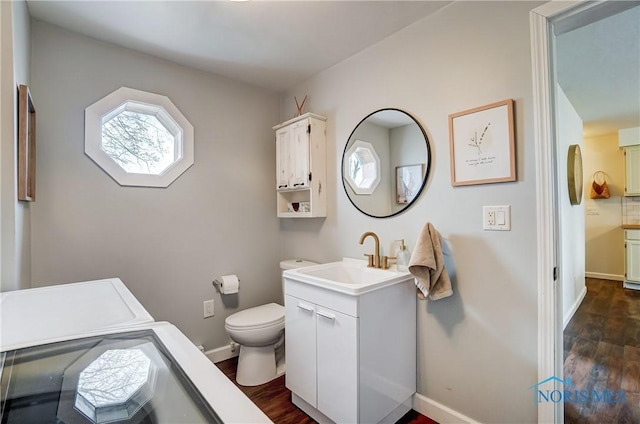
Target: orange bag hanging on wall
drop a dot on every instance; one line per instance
(600, 190)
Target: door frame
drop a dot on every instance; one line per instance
(547, 21)
(543, 118)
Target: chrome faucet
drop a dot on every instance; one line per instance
(374, 260)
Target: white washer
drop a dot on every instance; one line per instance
(53, 338)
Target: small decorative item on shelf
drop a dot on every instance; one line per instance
(301, 105)
(299, 207)
(599, 187)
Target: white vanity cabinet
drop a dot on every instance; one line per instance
(322, 359)
(632, 259)
(301, 167)
(351, 359)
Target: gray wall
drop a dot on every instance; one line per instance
(167, 245)
(15, 216)
(477, 350)
(572, 217)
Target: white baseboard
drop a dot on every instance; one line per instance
(223, 353)
(602, 276)
(439, 412)
(574, 307)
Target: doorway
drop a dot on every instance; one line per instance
(547, 22)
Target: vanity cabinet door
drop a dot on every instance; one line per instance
(300, 348)
(337, 365)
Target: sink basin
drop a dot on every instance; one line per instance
(349, 276)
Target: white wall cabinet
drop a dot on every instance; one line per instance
(629, 137)
(632, 171)
(301, 167)
(351, 359)
(632, 259)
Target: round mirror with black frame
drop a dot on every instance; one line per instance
(386, 162)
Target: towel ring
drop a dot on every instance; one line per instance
(599, 174)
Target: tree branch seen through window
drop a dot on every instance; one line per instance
(138, 142)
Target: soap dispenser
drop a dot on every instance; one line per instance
(402, 257)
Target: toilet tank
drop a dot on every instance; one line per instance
(292, 264)
(295, 263)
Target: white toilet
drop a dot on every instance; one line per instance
(260, 333)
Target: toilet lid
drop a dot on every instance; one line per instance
(258, 317)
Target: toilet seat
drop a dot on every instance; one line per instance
(256, 318)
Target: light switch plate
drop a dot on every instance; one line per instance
(496, 218)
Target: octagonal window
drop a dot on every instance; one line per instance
(362, 167)
(138, 138)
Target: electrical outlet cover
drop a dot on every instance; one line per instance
(491, 217)
(208, 308)
(496, 218)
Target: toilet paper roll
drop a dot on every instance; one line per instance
(229, 284)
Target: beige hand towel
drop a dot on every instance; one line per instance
(427, 265)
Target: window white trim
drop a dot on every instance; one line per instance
(139, 101)
(371, 169)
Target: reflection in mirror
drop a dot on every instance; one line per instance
(382, 143)
(362, 167)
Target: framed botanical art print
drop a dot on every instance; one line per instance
(482, 145)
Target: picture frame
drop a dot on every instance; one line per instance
(482, 145)
(408, 182)
(26, 145)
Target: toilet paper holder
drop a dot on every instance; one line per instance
(218, 285)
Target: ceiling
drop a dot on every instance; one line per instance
(271, 44)
(277, 44)
(598, 68)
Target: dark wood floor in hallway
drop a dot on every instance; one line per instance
(602, 352)
(274, 399)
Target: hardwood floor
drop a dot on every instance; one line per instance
(602, 352)
(274, 399)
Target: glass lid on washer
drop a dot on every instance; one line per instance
(125, 378)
